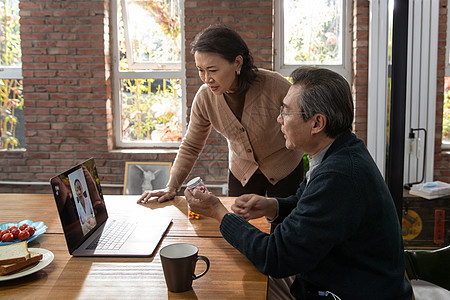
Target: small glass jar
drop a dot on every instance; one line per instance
(194, 185)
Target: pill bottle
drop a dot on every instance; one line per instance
(194, 185)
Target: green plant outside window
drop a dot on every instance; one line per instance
(11, 99)
(149, 35)
(313, 33)
(151, 110)
(446, 113)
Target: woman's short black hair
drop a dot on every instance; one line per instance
(229, 44)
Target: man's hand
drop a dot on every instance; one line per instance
(251, 206)
(206, 204)
(90, 223)
(158, 195)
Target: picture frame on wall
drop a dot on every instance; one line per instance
(144, 176)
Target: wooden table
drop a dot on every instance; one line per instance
(231, 275)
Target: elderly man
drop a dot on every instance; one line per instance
(339, 235)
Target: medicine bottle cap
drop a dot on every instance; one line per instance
(194, 182)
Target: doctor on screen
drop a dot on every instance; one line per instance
(84, 207)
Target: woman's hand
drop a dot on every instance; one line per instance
(206, 204)
(158, 195)
(251, 206)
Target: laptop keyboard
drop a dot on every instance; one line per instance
(114, 237)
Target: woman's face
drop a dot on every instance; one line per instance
(218, 73)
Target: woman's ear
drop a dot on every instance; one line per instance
(239, 61)
(320, 121)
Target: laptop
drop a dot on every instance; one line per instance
(89, 230)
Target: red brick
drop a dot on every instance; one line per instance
(73, 41)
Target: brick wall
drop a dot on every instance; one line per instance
(68, 99)
(253, 20)
(360, 63)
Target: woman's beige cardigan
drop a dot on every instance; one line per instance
(254, 142)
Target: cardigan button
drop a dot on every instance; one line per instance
(249, 150)
(243, 129)
(272, 179)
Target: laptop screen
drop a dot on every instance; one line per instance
(80, 203)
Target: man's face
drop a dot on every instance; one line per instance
(296, 131)
(79, 190)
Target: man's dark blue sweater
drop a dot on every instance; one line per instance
(339, 233)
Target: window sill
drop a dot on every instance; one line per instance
(20, 150)
(143, 150)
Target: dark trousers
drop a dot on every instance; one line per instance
(260, 185)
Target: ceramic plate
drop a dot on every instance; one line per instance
(39, 227)
(47, 258)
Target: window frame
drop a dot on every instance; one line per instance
(143, 65)
(118, 75)
(13, 72)
(8, 72)
(447, 46)
(446, 146)
(344, 69)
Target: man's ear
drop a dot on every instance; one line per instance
(320, 121)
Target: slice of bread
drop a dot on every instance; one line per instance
(14, 253)
(34, 257)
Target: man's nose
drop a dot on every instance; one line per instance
(280, 119)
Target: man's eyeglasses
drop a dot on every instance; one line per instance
(282, 113)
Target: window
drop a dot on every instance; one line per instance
(12, 129)
(148, 73)
(446, 114)
(312, 33)
(446, 108)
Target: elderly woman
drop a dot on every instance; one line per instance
(241, 102)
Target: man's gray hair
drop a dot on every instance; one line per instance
(328, 93)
